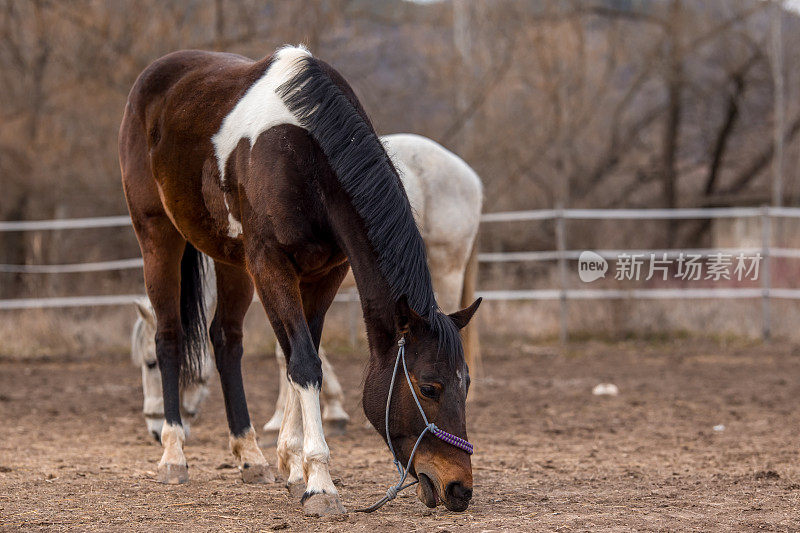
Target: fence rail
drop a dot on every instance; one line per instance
(561, 255)
(67, 223)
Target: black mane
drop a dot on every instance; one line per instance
(367, 175)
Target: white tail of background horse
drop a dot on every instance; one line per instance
(446, 196)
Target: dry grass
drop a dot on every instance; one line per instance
(49, 333)
(83, 333)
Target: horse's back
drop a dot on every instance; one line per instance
(167, 71)
(166, 153)
(187, 90)
(453, 192)
(175, 77)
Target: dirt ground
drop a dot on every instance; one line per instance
(549, 455)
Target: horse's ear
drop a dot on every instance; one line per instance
(462, 318)
(404, 316)
(145, 310)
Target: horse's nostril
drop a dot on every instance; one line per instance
(458, 491)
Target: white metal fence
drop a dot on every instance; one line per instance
(561, 255)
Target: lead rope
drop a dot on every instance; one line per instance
(391, 494)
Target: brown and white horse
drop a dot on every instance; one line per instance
(446, 196)
(273, 169)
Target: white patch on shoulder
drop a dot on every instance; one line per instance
(257, 111)
(234, 226)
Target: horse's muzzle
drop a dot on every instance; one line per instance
(457, 496)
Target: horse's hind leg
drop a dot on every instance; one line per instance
(162, 248)
(235, 293)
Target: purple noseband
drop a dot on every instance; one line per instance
(449, 438)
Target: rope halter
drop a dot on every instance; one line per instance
(449, 438)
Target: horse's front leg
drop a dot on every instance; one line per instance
(320, 496)
(305, 376)
(334, 416)
(290, 441)
(273, 425)
(297, 312)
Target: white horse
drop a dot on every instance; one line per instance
(143, 354)
(446, 196)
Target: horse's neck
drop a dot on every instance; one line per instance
(377, 302)
(378, 294)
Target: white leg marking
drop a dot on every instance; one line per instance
(315, 450)
(274, 423)
(172, 468)
(252, 464)
(290, 441)
(245, 449)
(172, 439)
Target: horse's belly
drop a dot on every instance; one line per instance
(199, 213)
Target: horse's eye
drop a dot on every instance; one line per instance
(429, 391)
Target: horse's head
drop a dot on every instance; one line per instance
(147, 318)
(441, 382)
(143, 354)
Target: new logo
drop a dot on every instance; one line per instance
(591, 266)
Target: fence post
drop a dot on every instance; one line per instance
(766, 237)
(561, 246)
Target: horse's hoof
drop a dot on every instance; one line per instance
(296, 488)
(257, 473)
(173, 474)
(322, 504)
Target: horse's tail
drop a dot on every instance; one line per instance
(469, 335)
(193, 315)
